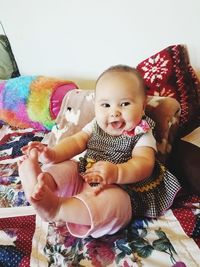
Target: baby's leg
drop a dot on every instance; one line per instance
(51, 207)
(29, 169)
(40, 189)
(66, 177)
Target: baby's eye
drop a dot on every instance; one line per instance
(124, 104)
(105, 105)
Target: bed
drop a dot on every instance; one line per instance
(48, 109)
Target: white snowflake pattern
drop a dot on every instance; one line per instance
(6, 240)
(155, 69)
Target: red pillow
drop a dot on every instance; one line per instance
(169, 73)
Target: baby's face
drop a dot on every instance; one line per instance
(119, 102)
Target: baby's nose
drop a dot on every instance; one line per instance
(115, 113)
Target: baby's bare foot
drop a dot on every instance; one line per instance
(29, 169)
(39, 189)
(45, 202)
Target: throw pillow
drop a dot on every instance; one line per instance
(169, 73)
(32, 101)
(8, 65)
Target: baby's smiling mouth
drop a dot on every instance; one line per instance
(117, 124)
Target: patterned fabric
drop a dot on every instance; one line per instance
(12, 142)
(22, 238)
(169, 73)
(18, 236)
(187, 212)
(12, 149)
(169, 241)
(150, 197)
(145, 242)
(102, 146)
(154, 195)
(142, 127)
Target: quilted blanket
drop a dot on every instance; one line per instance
(25, 240)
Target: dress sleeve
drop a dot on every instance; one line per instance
(89, 127)
(147, 139)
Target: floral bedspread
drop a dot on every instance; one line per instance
(25, 240)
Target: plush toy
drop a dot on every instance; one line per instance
(32, 101)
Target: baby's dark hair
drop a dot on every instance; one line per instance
(124, 68)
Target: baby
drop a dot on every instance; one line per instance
(117, 179)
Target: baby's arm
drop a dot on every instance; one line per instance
(70, 146)
(46, 155)
(139, 167)
(64, 150)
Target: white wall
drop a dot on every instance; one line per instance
(78, 39)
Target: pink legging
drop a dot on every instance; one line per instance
(110, 210)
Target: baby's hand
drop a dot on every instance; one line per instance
(46, 154)
(102, 173)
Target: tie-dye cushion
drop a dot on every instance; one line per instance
(32, 101)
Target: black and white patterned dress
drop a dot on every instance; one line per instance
(150, 197)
